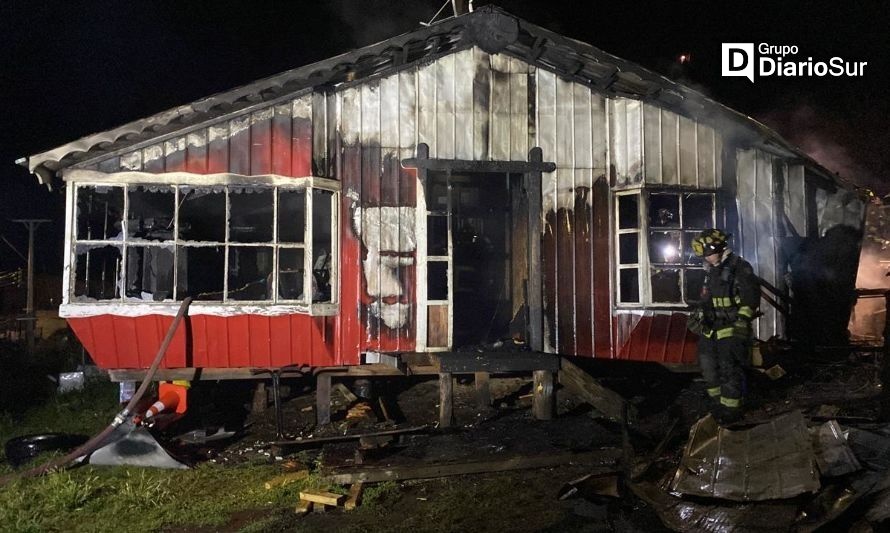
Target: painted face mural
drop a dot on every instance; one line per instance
(387, 234)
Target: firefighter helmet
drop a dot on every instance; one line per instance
(710, 241)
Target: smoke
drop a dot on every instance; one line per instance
(817, 135)
(371, 21)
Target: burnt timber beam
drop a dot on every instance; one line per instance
(589, 390)
(604, 459)
(496, 362)
(198, 374)
(464, 165)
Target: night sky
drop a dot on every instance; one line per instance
(70, 69)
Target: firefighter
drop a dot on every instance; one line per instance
(729, 300)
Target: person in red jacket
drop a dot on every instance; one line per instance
(728, 305)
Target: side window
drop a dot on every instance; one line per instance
(628, 246)
(655, 231)
(224, 243)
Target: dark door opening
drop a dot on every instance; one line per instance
(489, 257)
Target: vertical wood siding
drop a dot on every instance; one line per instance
(757, 242)
(467, 105)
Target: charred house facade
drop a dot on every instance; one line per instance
(479, 179)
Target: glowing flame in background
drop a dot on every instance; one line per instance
(867, 319)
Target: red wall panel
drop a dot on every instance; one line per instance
(215, 342)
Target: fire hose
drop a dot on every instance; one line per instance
(94, 443)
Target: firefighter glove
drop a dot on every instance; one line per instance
(695, 322)
(741, 329)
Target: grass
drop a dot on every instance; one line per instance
(100, 499)
(381, 496)
(107, 498)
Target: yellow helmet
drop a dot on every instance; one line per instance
(710, 241)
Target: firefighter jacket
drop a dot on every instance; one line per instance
(730, 297)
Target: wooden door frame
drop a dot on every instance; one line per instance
(531, 183)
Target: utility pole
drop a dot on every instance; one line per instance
(30, 318)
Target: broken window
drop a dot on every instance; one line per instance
(150, 213)
(437, 235)
(291, 274)
(437, 280)
(99, 213)
(149, 273)
(200, 272)
(291, 215)
(97, 271)
(250, 214)
(202, 214)
(322, 244)
(628, 215)
(250, 273)
(210, 242)
(663, 228)
(674, 220)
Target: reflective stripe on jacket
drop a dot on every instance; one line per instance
(731, 291)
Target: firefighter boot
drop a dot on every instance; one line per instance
(728, 412)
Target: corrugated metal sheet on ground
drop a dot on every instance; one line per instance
(833, 455)
(771, 461)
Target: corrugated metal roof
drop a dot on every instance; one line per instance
(490, 28)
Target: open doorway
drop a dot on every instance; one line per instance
(477, 256)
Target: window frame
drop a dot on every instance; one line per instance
(645, 264)
(127, 181)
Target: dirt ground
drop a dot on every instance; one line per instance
(521, 500)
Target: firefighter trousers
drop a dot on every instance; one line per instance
(723, 363)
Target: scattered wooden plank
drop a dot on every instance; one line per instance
(303, 507)
(286, 479)
(345, 392)
(322, 497)
(384, 410)
(542, 402)
(354, 498)
(583, 385)
(446, 390)
(282, 447)
(345, 476)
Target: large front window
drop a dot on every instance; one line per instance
(220, 242)
(655, 229)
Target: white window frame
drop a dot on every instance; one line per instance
(122, 305)
(641, 266)
(644, 264)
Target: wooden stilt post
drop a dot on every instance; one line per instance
(483, 390)
(542, 399)
(446, 389)
(260, 398)
(323, 399)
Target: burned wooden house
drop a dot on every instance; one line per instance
(476, 180)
